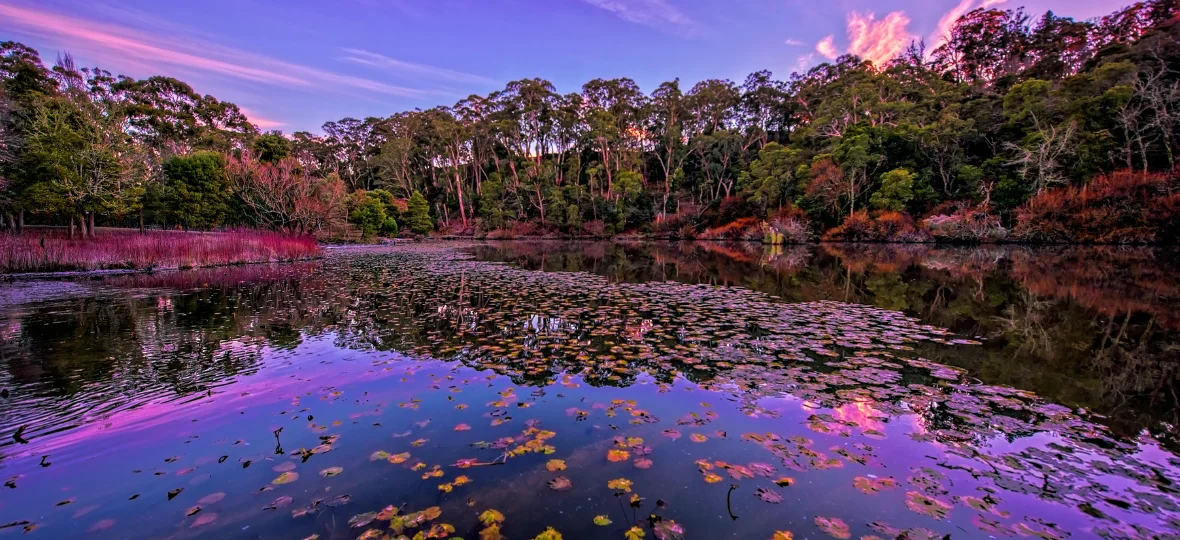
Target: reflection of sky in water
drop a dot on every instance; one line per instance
(343, 353)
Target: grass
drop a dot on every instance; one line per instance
(49, 250)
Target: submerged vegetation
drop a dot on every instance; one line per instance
(426, 390)
(1016, 128)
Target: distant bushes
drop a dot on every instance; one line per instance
(962, 221)
(880, 226)
(1118, 208)
(49, 251)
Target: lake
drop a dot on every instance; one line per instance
(603, 390)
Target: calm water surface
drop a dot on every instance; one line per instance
(603, 390)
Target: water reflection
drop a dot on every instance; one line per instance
(1090, 327)
(889, 390)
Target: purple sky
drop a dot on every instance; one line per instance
(294, 64)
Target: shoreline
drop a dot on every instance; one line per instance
(105, 272)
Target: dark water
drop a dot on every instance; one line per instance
(676, 391)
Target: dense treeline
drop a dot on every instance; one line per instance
(995, 134)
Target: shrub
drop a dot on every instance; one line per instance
(883, 226)
(595, 228)
(961, 221)
(1118, 208)
(738, 229)
(792, 226)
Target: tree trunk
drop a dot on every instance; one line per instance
(90, 225)
(71, 228)
(20, 221)
(459, 194)
(141, 227)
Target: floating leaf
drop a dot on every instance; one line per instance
(698, 437)
(634, 533)
(834, 527)
(617, 455)
(620, 484)
(712, 478)
(192, 511)
(204, 519)
(398, 458)
(284, 466)
(548, 534)
(769, 495)
(602, 520)
(211, 499)
(555, 465)
(667, 529)
(927, 505)
(279, 503)
(379, 455)
(360, 520)
(873, 485)
(784, 481)
(490, 516)
(285, 478)
(642, 463)
(782, 535)
(560, 483)
(462, 427)
(331, 471)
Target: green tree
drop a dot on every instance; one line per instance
(367, 212)
(272, 147)
(896, 191)
(418, 214)
(771, 176)
(196, 190)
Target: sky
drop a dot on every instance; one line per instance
(294, 64)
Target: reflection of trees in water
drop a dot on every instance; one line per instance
(1090, 326)
(66, 362)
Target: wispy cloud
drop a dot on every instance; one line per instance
(878, 41)
(947, 22)
(260, 121)
(654, 13)
(827, 48)
(794, 42)
(125, 46)
(380, 61)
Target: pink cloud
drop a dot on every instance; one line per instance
(125, 46)
(947, 22)
(827, 48)
(260, 121)
(878, 41)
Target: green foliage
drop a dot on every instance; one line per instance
(196, 190)
(418, 214)
(367, 212)
(896, 191)
(272, 147)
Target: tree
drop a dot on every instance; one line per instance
(896, 191)
(197, 190)
(771, 179)
(271, 147)
(418, 214)
(367, 212)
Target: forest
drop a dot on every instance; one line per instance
(1018, 128)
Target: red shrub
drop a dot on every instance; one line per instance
(738, 229)
(1122, 207)
(46, 251)
(885, 226)
(595, 228)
